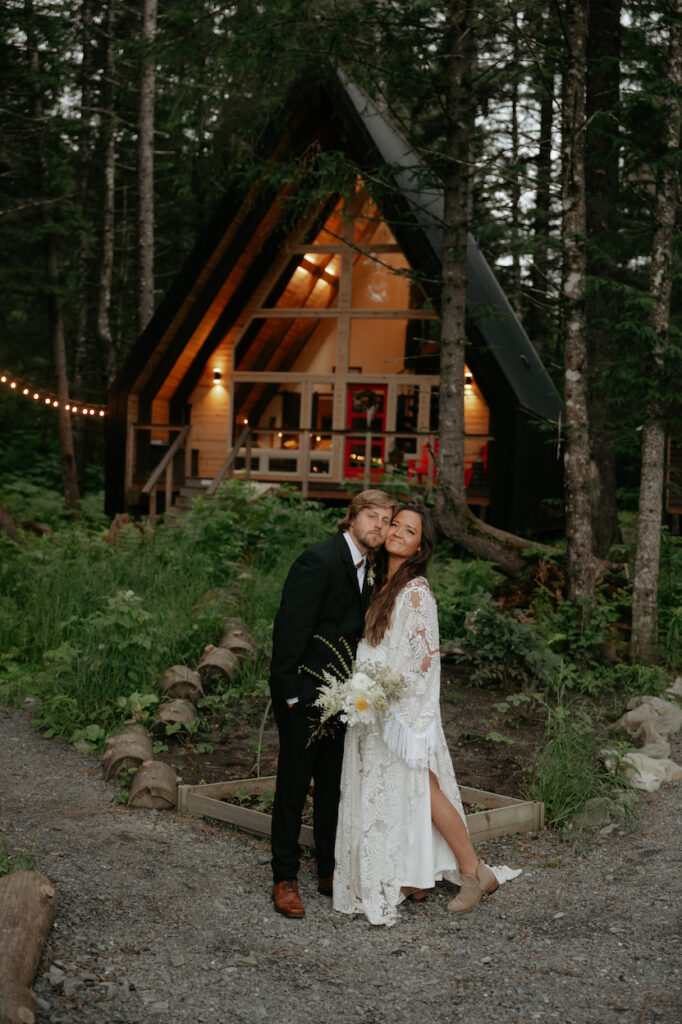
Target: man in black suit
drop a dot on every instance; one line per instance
(324, 595)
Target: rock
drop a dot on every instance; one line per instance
(650, 742)
(666, 715)
(676, 689)
(649, 773)
(598, 812)
(55, 976)
(71, 986)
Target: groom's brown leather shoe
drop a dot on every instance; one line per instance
(325, 886)
(287, 900)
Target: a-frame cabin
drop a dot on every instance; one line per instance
(303, 347)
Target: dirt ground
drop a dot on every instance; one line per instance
(469, 716)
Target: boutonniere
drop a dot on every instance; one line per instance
(369, 576)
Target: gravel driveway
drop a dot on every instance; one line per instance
(168, 919)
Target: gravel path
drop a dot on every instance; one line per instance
(168, 919)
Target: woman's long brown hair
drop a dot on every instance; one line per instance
(384, 597)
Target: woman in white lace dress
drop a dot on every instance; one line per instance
(401, 825)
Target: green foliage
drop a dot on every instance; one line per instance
(576, 631)
(503, 649)
(460, 588)
(568, 770)
(20, 861)
(89, 627)
(670, 599)
(266, 800)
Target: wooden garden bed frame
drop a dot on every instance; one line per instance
(503, 815)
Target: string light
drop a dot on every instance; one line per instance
(51, 400)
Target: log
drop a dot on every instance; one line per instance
(217, 662)
(126, 750)
(28, 905)
(181, 711)
(179, 681)
(154, 785)
(238, 639)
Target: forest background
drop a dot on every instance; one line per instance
(554, 131)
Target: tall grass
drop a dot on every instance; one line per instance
(568, 771)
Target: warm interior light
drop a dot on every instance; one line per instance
(217, 375)
(25, 391)
(468, 380)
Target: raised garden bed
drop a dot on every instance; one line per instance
(499, 816)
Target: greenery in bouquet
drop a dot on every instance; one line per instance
(358, 697)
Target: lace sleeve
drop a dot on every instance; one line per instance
(411, 725)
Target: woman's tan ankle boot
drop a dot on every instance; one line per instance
(469, 895)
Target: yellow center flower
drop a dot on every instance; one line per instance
(361, 704)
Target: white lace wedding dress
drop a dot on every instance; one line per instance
(385, 838)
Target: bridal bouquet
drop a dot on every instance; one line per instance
(360, 696)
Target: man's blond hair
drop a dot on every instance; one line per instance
(367, 499)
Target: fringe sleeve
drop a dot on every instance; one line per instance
(415, 748)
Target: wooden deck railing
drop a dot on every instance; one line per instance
(166, 465)
(227, 468)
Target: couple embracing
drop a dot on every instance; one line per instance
(388, 820)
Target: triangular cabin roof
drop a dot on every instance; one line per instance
(220, 280)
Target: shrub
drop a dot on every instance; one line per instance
(460, 588)
(85, 624)
(506, 650)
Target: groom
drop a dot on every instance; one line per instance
(324, 595)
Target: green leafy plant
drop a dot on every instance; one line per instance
(460, 588)
(502, 649)
(266, 800)
(22, 860)
(568, 770)
(497, 737)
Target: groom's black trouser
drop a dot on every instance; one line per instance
(298, 763)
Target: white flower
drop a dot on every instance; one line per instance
(360, 697)
(360, 681)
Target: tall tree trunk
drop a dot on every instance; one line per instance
(66, 446)
(452, 513)
(84, 189)
(104, 333)
(64, 418)
(601, 189)
(645, 592)
(580, 563)
(537, 317)
(457, 186)
(146, 168)
(515, 192)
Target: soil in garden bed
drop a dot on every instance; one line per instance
(491, 749)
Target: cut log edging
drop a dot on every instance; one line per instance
(28, 906)
(154, 783)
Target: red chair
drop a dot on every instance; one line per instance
(421, 468)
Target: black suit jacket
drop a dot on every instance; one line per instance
(320, 596)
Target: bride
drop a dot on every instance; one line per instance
(401, 824)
